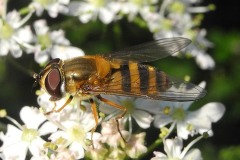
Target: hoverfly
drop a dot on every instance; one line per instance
(120, 73)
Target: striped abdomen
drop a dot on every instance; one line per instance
(138, 79)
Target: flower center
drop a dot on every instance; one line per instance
(177, 7)
(45, 2)
(137, 2)
(97, 3)
(45, 41)
(29, 135)
(6, 31)
(77, 134)
(178, 114)
(129, 105)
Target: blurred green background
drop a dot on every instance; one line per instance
(223, 83)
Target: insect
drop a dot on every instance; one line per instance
(120, 73)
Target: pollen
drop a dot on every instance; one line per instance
(189, 127)
(166, 110)
(3, 113)
(29, 135)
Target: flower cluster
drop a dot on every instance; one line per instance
(17, 36)
(72, 133)
(171, 18)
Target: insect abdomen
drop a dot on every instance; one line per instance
(140, 79)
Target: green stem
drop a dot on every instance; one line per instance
(154, 145)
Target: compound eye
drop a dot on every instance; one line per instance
(53, 84)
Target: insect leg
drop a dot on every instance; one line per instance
(58, 110)
(95, 114)
(124, 109)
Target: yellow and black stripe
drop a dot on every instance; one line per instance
(141, 79)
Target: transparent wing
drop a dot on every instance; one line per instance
(151, 51)
(175, 90)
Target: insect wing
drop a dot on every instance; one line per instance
(151, 51)
(147, 85)
(180, 91)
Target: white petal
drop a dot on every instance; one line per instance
(16, 151)
(53, 10)
(205, 61)
(182, 131)
(214, 111)
(58, 37)
(193, 154)
(54, 136)
(64, 1)
(31, 117)
(142, 118)
(37, 7)
(41, 56)
(4, 47)
(13, 18)
(105, 16)
(47, 128)
(13, 135)
(25, 34)
(15, 50)
(41, 27)
(173, 147)
(66, 52)
(159, 156)
(77, 150)
(85, 18)
(201, 120)
(36, 147)
(13, 147)
(162, 120)
(202, 84)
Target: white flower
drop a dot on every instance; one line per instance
(66, 52)
(175, 19)
(110, 134)
(173, 149)
(13, 37)
(20, 139)
(74, 126)
(91, 9)
(48, 42)
(135, 146)
(205, 61)
(75, 133)
(189, 122)
(70, 112)
(132, 8)
(136, 108)
(52, 6)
